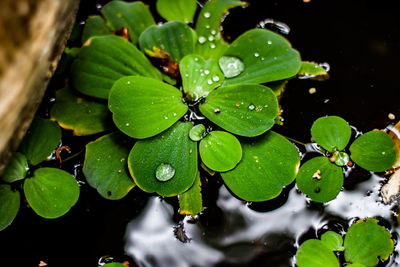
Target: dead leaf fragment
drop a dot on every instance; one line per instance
(42, 263)
(392, 188)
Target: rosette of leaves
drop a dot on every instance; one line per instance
(158, 79)
(50, 192)
(321, 178)
(365, 244)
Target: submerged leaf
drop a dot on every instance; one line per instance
(16, 169)
(176, 38)
(143, 107)
(320, 179)
(267, 57)
(9, 205)
(314, 253)
(373, 151)
(190, 202)
(135, 16)
(166, 163)
(332, 133)
(105, 166)
(269, 163)
(366, 243)
(41, 140)
(220, 151)
(199, 76)
(312, 70)
(105, 59)
(79, 113)
(182, 10)
(210, 43)
(51, 192)
(247, 110)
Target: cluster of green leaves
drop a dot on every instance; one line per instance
(321, 178)
(219, 80)
(365, 244)
(50, 192)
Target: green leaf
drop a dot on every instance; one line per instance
(366, 242)
(182, 10)
(79, 113)
(51, 192)
(94, 26)
(198, 132)
(355, 265)
(172, 154)
(210, 43)
(105, 59)
(199, 76)
(114, 264)
(105, 166)
(311, 70)
(373, 151)
(266, 55)
(190, 202)
(332, 133)
(278, 86)
(269, 162)
(135, 16)
(41, 139)
(174, 37)
(320, 179)
(333, 241)
(16, 169)
(143, 107)
(247, 110)
(9, 205)
(220, 151)
(314, 253)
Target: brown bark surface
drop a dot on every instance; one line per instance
(33, 34)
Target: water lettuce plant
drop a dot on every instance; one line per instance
(321, 178)
(182, 98)
(365, 244)
(50, 192)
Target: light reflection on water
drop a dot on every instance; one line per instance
(246, 236)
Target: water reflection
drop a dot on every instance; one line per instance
(232, 233)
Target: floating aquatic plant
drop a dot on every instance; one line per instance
(185, 95)
(321, 178)
(50, 192)
(365, 244)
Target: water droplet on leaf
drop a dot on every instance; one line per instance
(251, 107)
(165, 172)
(202, 39)
(207, 15)
(231, 66)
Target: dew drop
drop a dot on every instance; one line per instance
(269, 42)
(251, 107)
(212, 46)
(209, 81)
(207, 15)
(215, 78)
(231, 66)
(256, 54)
(127, 124)
(202, 39)
(213, 32)
(207, 72)
(207, 26)
(166, 117)
(210, 38)
(186, 74)
(128, 82)
(174, 114)
(196, 59)
(165, 172)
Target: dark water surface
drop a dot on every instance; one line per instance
(361, 42)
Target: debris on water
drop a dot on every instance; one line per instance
(274, 25)
(312, 90)
(391, 116)
(180, 233)
(231, 66)
(165, 172)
